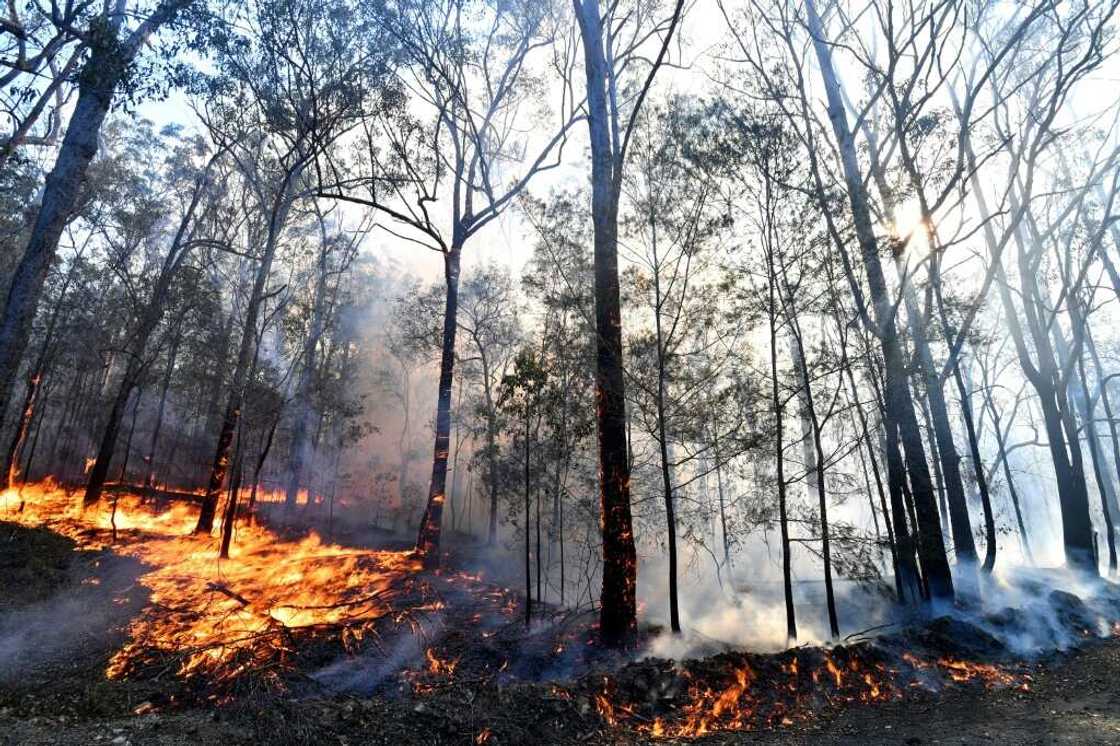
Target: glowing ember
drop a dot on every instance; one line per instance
(741, 698)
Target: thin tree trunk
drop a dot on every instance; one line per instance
(123, 479)
(528, 575)
(431, 525)
(165, 386)
(809, 414)
(779, 455)
(898, 405)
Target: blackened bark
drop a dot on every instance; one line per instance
(431, 525)
(779, 455)
(617, 607)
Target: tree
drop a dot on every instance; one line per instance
(610, 127)
(276, 115)
(472, 81)
(113, 50)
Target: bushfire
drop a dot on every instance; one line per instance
(223, 617)
(736, 692)
(249, 617)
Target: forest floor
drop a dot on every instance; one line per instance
(65, 610)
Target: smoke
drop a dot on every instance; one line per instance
(75, 625)
(366, 673)
(1031, 611)
(744, 607)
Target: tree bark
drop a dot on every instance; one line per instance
(617, 607)
(431, 525)
(898, 405)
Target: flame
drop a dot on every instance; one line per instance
(89, 464)
(964, 672)
(743, 699)
(440, 667)
(223, 617)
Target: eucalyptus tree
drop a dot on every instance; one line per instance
(1028, 109)
(618, 76)
(488, 335)
(668, 233)
(290, 82)
(115, 36)
(473, 71)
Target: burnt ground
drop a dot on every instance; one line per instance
(61, 610)
(1074, 699)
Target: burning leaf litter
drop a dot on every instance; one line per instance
(255, 617)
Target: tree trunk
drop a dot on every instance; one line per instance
(663, 443)
(491, 451)
(97, 85)
(245, 355)
(617, 607)
(428, 538)
(172, 356)
(779, 455)
(123, 479)
(816, 452)
(230, 515)
(528, 575)
(110, 58)
(898, 405)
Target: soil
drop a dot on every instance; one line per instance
(57, 632)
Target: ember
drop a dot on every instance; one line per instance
(744, 692)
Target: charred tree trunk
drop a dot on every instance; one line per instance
(617, 607)
(230, 515)
(431, 525)
(779, 454)
(278, 216)
(815, 475)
